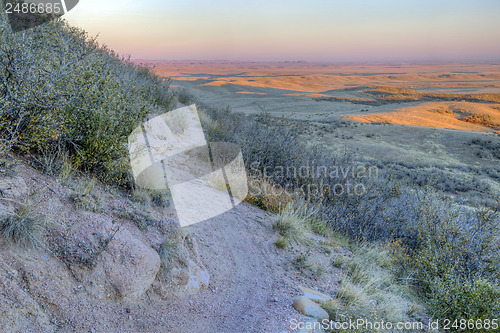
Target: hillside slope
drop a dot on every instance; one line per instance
(68, 285)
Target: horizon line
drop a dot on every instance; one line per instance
(339, 62)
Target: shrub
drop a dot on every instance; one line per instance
(59, 88)
(454, 263)
(268, 196)
(457, 299)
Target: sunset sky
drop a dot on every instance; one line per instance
(315, 30)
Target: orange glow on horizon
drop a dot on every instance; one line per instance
(329, 31)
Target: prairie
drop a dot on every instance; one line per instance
(434, 124)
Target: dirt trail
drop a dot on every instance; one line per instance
(249, 290)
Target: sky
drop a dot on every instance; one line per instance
(277, 30)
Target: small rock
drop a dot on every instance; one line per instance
(308, 308)
(315, 295)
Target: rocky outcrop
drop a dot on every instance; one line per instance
(130, 265)
(182, 270)
(310, 306)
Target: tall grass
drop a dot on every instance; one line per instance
(368, 290)
(24, 227)
(293, 223)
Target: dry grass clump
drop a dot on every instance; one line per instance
(24, 227)
(281, 242)
(56, 161)
(296, 221)
(292, 224)
(270, 197)
(369, 291)
(86, 196)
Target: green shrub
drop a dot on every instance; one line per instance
(60, 88)
(455, 299)
(454, 263)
